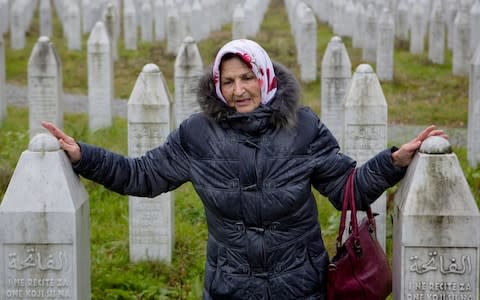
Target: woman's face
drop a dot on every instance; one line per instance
(239, 85)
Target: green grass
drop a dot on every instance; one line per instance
(421, 93)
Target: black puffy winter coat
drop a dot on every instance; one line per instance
(254, 173)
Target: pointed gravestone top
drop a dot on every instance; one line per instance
(436, 145)
(43, 142)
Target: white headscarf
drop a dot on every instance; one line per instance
(256, 59)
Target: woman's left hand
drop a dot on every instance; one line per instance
(404, 155)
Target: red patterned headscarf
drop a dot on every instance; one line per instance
(256, 58)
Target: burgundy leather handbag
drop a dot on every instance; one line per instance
(359, 270)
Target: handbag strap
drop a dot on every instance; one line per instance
(349, 202)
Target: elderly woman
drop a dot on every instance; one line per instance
(252, 155)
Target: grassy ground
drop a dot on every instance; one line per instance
(421, 93)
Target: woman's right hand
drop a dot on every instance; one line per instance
(67, 143)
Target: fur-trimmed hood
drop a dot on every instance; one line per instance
(283, 105)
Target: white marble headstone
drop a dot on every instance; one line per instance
(473, 140)
(436, 241)
(129, 25)
(45, 18)
(385, 46)
(188, 70)
(366, 119)
(461, 53)
(336, 77)
(44, 229)
(146, 22)
(100, 78)
(3, 99)
(151, 219)
(436, 35)
(45, 87)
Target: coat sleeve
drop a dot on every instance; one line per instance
(331, 169)
(160, 170)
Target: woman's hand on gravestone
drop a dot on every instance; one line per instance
(67, 143)
(404, 155)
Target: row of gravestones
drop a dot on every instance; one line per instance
(157, 19)
(369, 24)
(44, 230)
(45, 91)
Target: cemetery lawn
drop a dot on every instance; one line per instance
(421, 94)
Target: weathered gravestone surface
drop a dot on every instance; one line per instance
(44, 228)
(306, 42)
(385, 45)
(100, 78)
(4, 15)
(436, 35)
(473, 139)
(151, 219)
(436, 245)
(475, 26)
(365, 132)
(188, 70)
(198, 28)
(238, 25)
(129, 25)
(461, 42)
(146, 22)
(369, 44)
(45, 18)
(418, 26)
(72, 26)
(402, 26)
(45, 87)
(336, 78)
(174, 30)
(159, 19)
(110, 20)
(17, 25)
(3, 95)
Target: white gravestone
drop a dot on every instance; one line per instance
(45, 87)
(73, 26)
(436, 238)
(3, 96)
(174, 31)
(44, 228)
(238, 25)
(146, 22)
(4, 16)
(417, 29)
(369, 53)
(129, 25)
(366, 119)
(475, 26)
(110, 20)
(45, 18)
(436, 35)
(359, 22)
(461, 42)
(197, 26)
(473, 140)
(450, 14)
(402, 25)
(186, 19)
(100, 78)
(159, 19)
(385, 46)
(336, 78)
(307, 43)
(188, 70)
(17, 26)
(151, 219)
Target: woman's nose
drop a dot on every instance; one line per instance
(238, 88)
